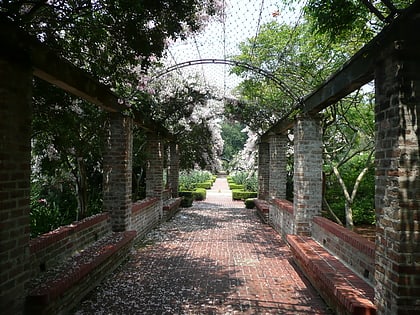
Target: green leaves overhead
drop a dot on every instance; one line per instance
(108, 38)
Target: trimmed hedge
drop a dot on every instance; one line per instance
(242, 195)
(187, 198)
(205, 185)
(199, 194)
(236, 187)
(249, 203)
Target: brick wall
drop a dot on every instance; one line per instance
(263, 170)
(307, 183)
(15, 158)
(397, 195)
(118, 171)
(281, 216)
(278, 172)
(50, 249)
(145, 215)
(353, 249)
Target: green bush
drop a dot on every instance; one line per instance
(249, 181)
(205, 185)
(236, 187)
(187, 198)
(189, 179)
(242, 195)
(249, 203)
(199, 194)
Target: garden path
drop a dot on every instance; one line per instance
(214, 258)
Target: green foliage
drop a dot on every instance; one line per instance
(187, 198)
(189, 179)
(51, 207)
(234, 139)
(248, 181)
(242, 195)
(363, 206)
(199, 194)
(233, 186)
(205, 185)
(250, 203)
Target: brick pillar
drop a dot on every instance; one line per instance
(118, 171)
(397, 194)
(307, 178)
(15, 169)
(154, 171)
(263, 170)
(278, 161)
(173, 169)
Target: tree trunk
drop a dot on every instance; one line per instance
(81, 186)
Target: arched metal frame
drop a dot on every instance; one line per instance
(283, 86)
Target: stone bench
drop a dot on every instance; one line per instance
(343, 290)
(263, 208)
(170, 207)
(61, 288)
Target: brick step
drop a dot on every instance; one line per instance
(343, 290)
(61, 288)
(170, 207)
(263, 209)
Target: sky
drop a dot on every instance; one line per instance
(219, 40)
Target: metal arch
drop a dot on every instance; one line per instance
(245, 65)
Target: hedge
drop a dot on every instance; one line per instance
(187, 198)
(249, 203)
(199, 194)
(242, 195)
(236, 187)
(205, 185)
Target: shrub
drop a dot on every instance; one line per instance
(242, 195)
(205, 185)
(187, 198)
(249, 203)
(236, 187)
(188, 180)
(199, 194)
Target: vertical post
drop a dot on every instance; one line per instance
(307, 183)
(154, 171)
(174, 169)
(278, 161)
(397, 194)
(263, 170)
(15, 173)
(118, 171)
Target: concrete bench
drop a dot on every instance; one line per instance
(60, 289)
(170, 207)
(343, 290)
(263, 208)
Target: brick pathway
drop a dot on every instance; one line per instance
(214, 258)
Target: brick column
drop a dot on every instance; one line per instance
(397, 194)
(118, 171)
(307, 178)
(154, 171)
(278, 161)
(263, 170)
(173, 176)
(15, 169)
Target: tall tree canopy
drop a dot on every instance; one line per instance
(109, 38)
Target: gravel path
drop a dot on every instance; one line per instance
(214, 258)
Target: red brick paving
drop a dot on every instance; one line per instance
(214, 258)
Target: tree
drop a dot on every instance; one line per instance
(66, 145)
(359, 20)
(299, 59)
(109, 38)
(349, 140)
(234, 139)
